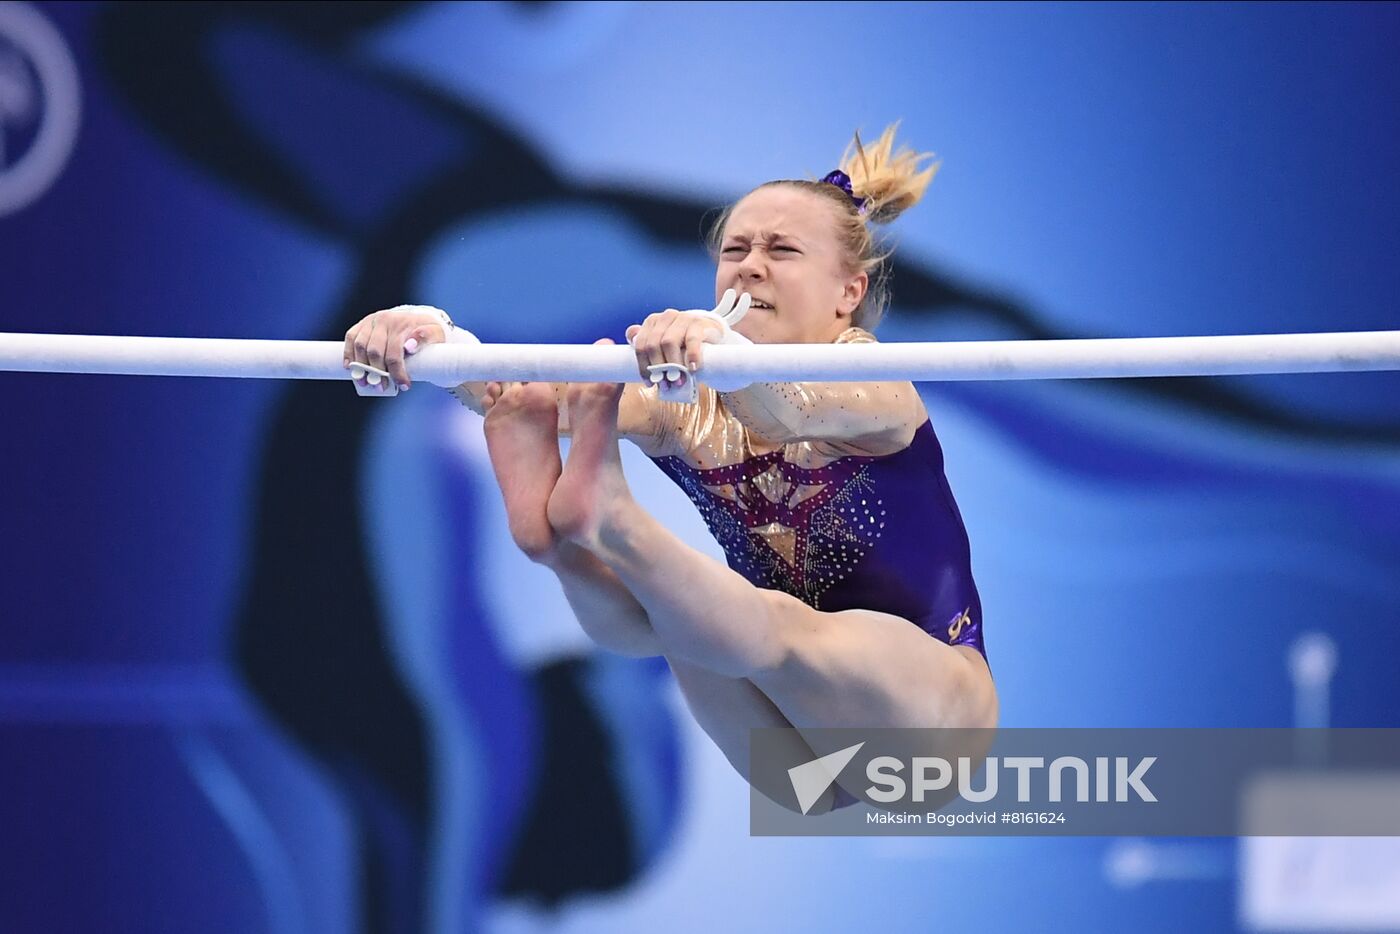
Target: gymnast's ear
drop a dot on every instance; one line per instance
(852, 294)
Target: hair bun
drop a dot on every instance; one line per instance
(890, 180)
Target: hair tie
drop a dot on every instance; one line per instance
(843, 181)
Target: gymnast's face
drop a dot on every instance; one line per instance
(780, 245)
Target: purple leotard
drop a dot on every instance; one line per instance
(861, 532)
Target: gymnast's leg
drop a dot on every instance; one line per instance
(849, 669)
(522, 440)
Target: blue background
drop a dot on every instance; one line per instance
(267, 659)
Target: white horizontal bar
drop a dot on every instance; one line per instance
(448, 365)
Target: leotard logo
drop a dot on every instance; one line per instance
(959, 621)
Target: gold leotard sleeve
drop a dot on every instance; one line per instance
(858, 418)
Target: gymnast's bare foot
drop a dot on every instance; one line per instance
(522, 434)
(592, 492)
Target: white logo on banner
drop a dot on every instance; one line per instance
(810, 780)
(39, 105)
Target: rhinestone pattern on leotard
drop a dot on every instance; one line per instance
(795, 529)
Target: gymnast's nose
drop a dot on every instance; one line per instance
(753, 269)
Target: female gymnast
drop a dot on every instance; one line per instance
(848, 600)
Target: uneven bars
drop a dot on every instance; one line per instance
(725, 365)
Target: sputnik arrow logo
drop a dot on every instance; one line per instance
(810, 780)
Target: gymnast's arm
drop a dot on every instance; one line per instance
(865, 418)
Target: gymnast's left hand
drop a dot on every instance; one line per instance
(678, 337)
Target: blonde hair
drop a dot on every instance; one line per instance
(891, 181)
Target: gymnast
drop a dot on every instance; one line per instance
(848, 599)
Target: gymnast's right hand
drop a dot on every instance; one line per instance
(385, 339)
